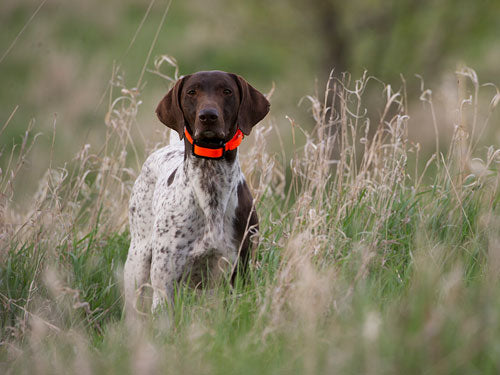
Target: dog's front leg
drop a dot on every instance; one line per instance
(136, 274)
(167, 266)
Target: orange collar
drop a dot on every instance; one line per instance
(216, 152)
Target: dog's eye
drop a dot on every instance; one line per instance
(227, 92)
(191, 92)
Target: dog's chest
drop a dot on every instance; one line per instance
(198, 212)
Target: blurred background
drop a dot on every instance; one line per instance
(57, 56)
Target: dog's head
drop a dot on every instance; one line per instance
(212, 105)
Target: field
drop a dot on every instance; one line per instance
(374, 257)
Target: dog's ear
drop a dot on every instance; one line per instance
(253, 105)
(169, 109)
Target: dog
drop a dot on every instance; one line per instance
(191, 211)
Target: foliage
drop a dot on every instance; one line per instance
(56, 66)
(365, 265)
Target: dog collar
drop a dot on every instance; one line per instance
(217, 151)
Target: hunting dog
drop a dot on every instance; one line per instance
(191, 210)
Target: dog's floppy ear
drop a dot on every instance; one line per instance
(169, 109)
(253, 105)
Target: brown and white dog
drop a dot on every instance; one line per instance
(191, 210)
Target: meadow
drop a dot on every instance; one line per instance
(373, 256)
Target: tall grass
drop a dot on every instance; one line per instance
(367, 262)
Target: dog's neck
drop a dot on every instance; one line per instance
(213, 182)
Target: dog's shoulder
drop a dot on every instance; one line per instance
(158, 170)
(163, 161)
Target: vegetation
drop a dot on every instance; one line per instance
(59, 62)
(368, 262)
(379, 246)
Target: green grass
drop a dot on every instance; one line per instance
(361, 270)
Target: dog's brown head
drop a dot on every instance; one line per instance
(212, 105)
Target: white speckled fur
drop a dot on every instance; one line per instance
(178, 223)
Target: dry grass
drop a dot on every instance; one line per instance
(367, 262)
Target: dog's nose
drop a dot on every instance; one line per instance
(208, 115)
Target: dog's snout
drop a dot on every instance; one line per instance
(208, 115)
